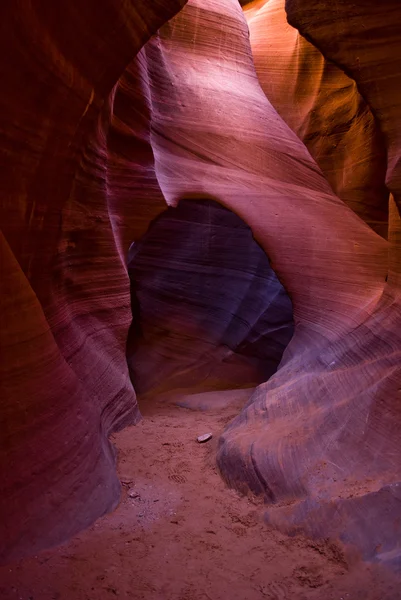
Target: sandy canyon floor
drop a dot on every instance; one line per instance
(180, 534)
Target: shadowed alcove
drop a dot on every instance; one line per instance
(209, 313)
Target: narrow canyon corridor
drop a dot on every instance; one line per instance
(180, 534)
(200, 209)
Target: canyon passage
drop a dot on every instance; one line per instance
(201, 232)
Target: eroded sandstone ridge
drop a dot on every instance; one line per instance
(324, 108)
(96, 140)
(321, 435)
(65, 291)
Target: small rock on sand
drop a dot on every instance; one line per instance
(126, 479)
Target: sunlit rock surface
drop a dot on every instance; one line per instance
(324, 108)
(363, 39)
(325, 428)
(95, 142)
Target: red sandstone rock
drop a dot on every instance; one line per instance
(324, 108)
(326, 426)
(65, 292)
(363, 39)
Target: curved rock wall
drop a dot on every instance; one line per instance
(323, 430)
(197, 144)
(324, 108)
(363, 39)
(65, 307)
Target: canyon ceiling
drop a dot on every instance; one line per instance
(283, 143)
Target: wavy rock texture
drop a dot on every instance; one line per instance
(324, 108)
(325, 428)
(363, 39)
(188, 119)
(66, 310)
(210, 308)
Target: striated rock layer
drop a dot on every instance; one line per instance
(65, 307)
(88, 163)
(324, 108)
(363, 39)
(324, 430)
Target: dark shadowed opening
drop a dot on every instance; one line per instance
(208, 310)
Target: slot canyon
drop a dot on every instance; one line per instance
(200, 212)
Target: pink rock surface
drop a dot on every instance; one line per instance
(326, 426)
(65, 295)
(324, 108)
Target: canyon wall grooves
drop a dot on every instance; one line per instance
(65, 291)
(88, 163)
